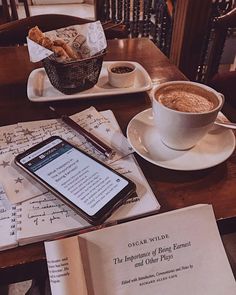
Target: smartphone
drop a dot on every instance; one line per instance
(88, 186)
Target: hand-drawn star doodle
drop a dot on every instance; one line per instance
(5, 164)
(89, 116)
(8, 140)
(19, 180)
(130, 148)
(27, 132)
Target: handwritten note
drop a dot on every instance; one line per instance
(40, 214)
(18, 138)
(46, 215)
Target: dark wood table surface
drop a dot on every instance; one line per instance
(174, 189)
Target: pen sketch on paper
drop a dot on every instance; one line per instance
(19, 137)
(39, 214)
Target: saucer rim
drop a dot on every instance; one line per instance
(160, 164)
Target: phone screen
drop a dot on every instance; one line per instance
(85, 182)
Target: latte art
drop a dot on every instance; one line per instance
(191, 100)
(184, 112)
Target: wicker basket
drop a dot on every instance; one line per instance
(74, 76)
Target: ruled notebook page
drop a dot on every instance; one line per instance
(46, 216)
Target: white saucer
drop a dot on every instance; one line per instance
(213, 149)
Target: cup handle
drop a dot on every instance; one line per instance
(223, 97)
(151, 92)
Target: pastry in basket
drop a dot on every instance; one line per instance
(36, 34)
(76, 40)
(78, 55)
(69, 51)
(59, 47)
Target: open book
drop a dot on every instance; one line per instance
(179, 252)
(36, 214)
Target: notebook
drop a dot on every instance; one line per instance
(29, 213)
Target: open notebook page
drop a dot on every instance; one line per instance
(43, 216)
(46, 215)
(19, 137)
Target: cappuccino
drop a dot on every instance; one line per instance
(184, 112)
(186, 98)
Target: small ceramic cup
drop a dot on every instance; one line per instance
(121, 74)
(182, 120)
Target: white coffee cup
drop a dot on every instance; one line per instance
(181, 126)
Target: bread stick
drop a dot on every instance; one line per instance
(72, 53)
(35, 34)
(59, 51)
(58, 46)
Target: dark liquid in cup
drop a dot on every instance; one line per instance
(121, 70)
(186, 98)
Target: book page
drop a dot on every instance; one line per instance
(179, 252)
(65, 267)
(7, 222)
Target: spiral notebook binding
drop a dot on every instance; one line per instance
(18, 226)
(18, 217)
(12, 233)
(13, 219)
(13, 228)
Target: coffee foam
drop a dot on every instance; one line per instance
(186, 98)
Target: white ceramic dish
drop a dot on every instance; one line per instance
(213, 149)
(39, 88)
(121, 80)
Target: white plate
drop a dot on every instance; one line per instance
(39, 88)
(213, 149)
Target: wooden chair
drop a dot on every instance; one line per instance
(10, 9)
(221, 26)
(15, 32)
(142, 18)
(225, 81)
(26, 6)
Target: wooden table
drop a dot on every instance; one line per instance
(174, 189)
